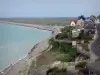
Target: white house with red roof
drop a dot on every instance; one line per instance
(73, 23)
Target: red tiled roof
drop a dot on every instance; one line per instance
(74, 21)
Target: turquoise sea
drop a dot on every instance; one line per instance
(16, 42)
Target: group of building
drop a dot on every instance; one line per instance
(90, 25)
(86, 24)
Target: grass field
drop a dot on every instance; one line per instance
(42, 21)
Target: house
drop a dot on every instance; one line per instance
(97, 21)
(88, 21)
(93, 68)
(92, 18)
(73, 23)
(80, 22)
(89, 28)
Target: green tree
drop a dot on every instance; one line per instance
(81, 17)
(53, 43)
(81, 64)
(67, 31)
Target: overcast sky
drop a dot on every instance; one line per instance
(48, 8)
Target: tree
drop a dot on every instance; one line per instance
(61, 36)
(81, 35)
(81, 17)
(81, 64)
(53, 43)
(67, 31)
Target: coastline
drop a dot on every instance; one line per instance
(35, 48)
(53, 29)
(32, 56)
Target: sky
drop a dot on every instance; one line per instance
(48, 8)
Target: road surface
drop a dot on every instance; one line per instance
(95, 46)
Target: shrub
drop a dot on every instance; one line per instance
(64, 48)
(81, 64)
(53, 43)
(97, 59)
(67, 32)
(88, 37)
(61, 36)
(85, 46)
(56, 70)
(81, 34)
(65, 58)
(52, 69)
(83, 70)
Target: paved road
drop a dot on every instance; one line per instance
(95, 45)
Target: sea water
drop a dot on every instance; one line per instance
(16, 41)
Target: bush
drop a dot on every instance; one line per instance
(68, 52)
(81, 35)
(86, 41)
(81, 65)
(53, 43)
(85, 46)
(52, 69)
(88, 37)
(55, 70)
(83, 70)
(65, 49)
(67, 32)
(65, 58)
(97, 59)
(61, 36)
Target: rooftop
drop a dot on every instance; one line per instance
(89, 26)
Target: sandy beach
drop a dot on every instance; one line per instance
(21, 67)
